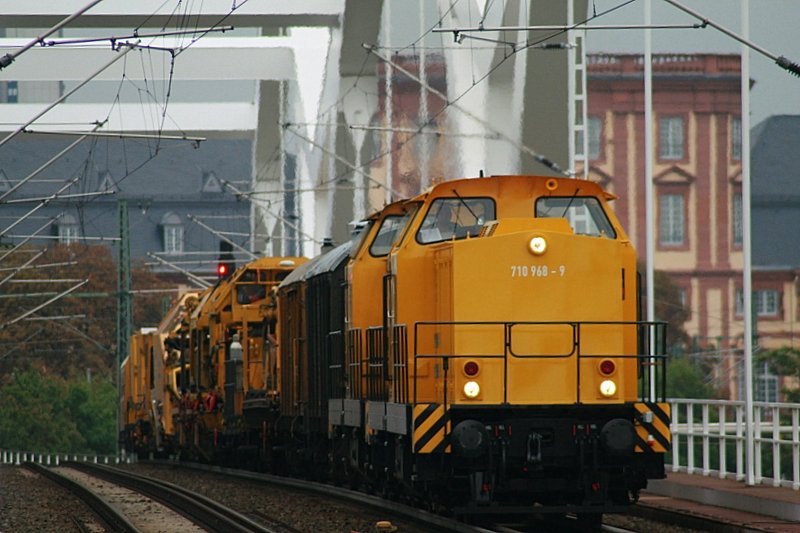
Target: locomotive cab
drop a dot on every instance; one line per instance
(518, 300)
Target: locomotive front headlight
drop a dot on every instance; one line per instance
(472, 389)
(608, 388)
(537, 245)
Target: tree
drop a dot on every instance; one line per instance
(31, 415)
(83, 336)
(686, 379)
(92, 406)
(45, 413)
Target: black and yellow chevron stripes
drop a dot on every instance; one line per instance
(652, 431)
(431, 428)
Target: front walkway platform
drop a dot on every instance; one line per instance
(755, 508)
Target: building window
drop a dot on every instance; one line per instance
(670, 138)
(68, 229)
(683, 298)
(736, 138)
(173, 233)
(12, 92)
(738, 225)
(670, 224)
(765, 302)
(594, 134)
(766, 383)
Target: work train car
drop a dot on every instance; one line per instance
(311, 329)
(149, 395)
(484, 354)
(217, 366)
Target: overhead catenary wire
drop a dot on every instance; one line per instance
(48, 199)
(134, 35)
(120, 135)
(9, 58)
(292, 225)
(49, 162)
(221, 236)
(342, 160)
(66, 95)
(42, 203)
(197, 279)
(781, 61)
(45, 304)
(23, 266)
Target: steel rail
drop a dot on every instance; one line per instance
(203, 511)
(112, 518)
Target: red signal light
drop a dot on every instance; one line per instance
(222, 270)
(471, 368)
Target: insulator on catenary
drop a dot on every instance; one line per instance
(784, 63)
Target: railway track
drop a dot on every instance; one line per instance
(203, 513)
(422, 520)
(211, 515)
(110, 517)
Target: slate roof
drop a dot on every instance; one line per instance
(164, 184)
(775, 179)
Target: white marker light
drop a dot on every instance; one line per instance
(472, 389)
(608, 388)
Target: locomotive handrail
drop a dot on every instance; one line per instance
(657, 346)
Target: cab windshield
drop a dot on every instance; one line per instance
(584, 213)
(455, 218)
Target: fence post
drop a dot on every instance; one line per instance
(776, 447)
(758, 440)
(739, 443)
(706, 442)
(690, 438)
(723, 442)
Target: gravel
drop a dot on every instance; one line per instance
(31, 503)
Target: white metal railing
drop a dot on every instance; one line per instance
(708, 437)
(17, 457)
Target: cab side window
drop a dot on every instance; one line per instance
(390, 228)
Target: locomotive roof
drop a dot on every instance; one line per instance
(319, 265)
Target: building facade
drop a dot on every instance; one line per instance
(697, 175)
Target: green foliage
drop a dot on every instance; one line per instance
(686, 379)
(44, 413)
(92, 407)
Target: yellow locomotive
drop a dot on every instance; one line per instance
(482, 353)
(477, 348)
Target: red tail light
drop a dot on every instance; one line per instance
(607, 367)
(471, 368)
